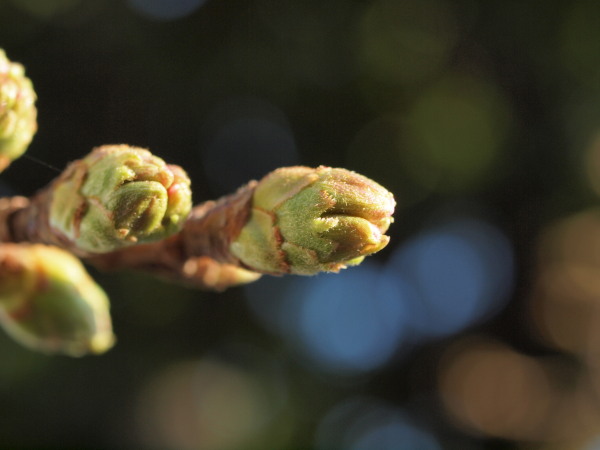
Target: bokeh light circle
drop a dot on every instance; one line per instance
(352, 321)
(455, 133)
(244, 139)
(461, 272)
(362, 423)
(164, 10)
(208, 404)
(345, 324)
(403, 42)
(489, 388)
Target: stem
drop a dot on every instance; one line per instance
(199, 254)
(27, 220)
(295, 220)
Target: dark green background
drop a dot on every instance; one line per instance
(374, 86)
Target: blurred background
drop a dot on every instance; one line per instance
(478, 327)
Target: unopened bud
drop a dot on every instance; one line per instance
(117, 196)
(49, 303)
(306, 220)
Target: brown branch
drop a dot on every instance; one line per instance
(295, 220)
(28, 220)
(198, 255)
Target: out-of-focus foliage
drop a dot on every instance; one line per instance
(476, 328)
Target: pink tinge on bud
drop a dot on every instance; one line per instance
(309, 220)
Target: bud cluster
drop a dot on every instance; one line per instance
(296, 220)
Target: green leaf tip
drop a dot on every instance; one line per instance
(18, 115)
(118, 196)
(306, 220)
(49, 303)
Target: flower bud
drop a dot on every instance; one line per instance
(305, 220)
(49, 303)
(18, 115)
(117, 196)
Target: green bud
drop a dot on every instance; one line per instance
(18, 115)
(117, 196)
(49, 303)
(305, 220)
